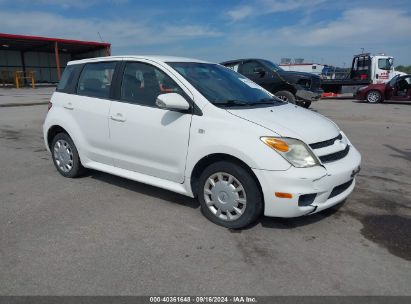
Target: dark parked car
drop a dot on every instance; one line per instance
(295, 87)
(398, 88)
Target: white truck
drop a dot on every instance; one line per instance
(365, 69)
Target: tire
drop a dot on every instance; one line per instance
(306, 104)
(65, 156)
(286, 96)
(373, 96)
(233, 200)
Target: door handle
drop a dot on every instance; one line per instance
(118, 117)
(69, 106)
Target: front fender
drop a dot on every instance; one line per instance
(222, 132)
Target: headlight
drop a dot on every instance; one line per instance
(293, 150)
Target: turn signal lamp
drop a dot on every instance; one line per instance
(276, 144)
(283, 195)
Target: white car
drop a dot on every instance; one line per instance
(202, 130)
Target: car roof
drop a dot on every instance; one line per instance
(155, 58)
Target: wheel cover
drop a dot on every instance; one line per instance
(225, 196)
(63, 155)
(373, 97)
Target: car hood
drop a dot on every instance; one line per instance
(291, 121)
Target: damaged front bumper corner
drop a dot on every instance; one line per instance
(308, 95)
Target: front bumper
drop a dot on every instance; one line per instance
(319, 180)
(308, 95)
(359, 95)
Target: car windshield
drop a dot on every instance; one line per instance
(393, 81)
(222, 86)
(272, 66)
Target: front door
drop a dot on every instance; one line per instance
(255, 71)
(402, 89)
(145, 138)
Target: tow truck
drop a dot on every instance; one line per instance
(365, 69)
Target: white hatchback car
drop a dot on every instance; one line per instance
(202, 130)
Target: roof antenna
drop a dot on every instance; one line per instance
(362, 50)
(100, 37)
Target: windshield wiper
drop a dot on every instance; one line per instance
(267, 101)
(232, 102)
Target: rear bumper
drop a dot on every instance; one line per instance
(318, 180)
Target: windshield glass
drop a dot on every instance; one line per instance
(393, 81)
(272, 66)
(222, 86)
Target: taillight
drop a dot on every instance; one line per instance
(49, 106)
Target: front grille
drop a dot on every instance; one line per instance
(340, 189)
(335, 156)
(325, 143)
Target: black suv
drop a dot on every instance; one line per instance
(295, 87)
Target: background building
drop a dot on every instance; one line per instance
(46, 57)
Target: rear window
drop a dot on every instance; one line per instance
(95, 79)
(66, 79)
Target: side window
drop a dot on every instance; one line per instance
(249, 67)
(95, 79)
(67, 79)
(385, 63)
(142, 83)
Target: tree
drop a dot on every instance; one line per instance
(405, 69)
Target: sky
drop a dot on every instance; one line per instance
(321, 31)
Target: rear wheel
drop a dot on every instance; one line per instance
(286, 96)
(374, 96)
(65, 156)
(229, 196)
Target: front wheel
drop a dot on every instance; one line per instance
(229, 196)
(286, 96)
(374, 96)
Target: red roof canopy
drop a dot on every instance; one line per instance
(44, 44)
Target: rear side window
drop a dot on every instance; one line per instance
(67, 78)
(233, 66)
(95, 79)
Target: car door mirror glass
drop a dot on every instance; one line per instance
(172, 101)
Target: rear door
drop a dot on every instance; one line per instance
(145, 138)
(89, 107)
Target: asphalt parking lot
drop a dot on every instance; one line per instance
(104, 235)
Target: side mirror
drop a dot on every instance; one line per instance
(172, 101)
(259, 70)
